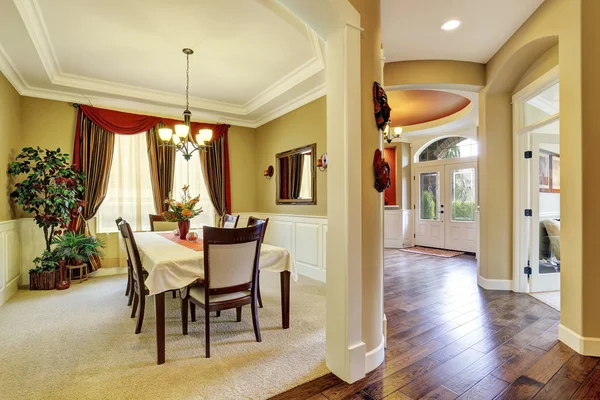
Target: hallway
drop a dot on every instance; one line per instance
(447, 338)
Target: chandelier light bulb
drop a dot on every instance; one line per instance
(176, 139)
(182, 130)
(165, 134)
(205, 135)
(398, 131)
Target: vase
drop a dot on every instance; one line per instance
(63, 283)
(184, 228)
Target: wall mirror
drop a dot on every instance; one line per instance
(296, 176)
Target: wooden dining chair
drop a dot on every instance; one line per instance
(253, 221)
(138, 274)
(158, 223)
(231, 259)
(230, 221)
(128, 290)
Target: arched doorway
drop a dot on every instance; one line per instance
(445, 194)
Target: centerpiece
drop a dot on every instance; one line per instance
(182, 211)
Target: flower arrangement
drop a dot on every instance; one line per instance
(184, 209)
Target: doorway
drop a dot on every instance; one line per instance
(445, 195)
(537, 189)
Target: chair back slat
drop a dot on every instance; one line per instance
(132, 251)
(158, 223)
(231, 258)
(253, 221)
(230, 221)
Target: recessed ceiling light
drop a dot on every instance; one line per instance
(451, 25)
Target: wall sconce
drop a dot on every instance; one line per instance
(322, 162)
(268, 173)
(390, 133)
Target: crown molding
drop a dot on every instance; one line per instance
(33, 20)
(10, 71)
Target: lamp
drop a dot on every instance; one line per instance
(388, 136)
(181, 138)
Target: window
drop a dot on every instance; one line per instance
(129, 193)
(430, 195)
(190, 173)
(451, 147)
(463, 195)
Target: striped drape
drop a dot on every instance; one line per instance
(162, 168)
(290, 168)
(213, 162)
(96, 156)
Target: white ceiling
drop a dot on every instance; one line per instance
(410, 29)
(253, 60)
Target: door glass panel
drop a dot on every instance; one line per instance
(541, 106)
(429, 195)
(462, 185)
(549, 208)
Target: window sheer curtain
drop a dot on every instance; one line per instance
(129, 193)
(190, 173)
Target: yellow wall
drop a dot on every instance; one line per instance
(10, 131)
(303, 126)
(243, 169)
(434, 72)
(542, 65)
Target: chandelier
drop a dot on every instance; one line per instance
(182, 140)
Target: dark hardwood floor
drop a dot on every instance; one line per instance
(450, 339)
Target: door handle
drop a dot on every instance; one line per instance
(441, 212)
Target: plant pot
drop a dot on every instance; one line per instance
(45, 280)
(75, 262)
(63, 283)
(184, 228)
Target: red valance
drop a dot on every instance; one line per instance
(123, 123)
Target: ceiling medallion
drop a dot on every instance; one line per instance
(182, 140)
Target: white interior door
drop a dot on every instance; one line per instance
(545, 205)
(461, 203)
(429, 219)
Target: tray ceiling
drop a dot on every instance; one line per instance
(253, 60)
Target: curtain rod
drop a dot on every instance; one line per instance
(76, 105)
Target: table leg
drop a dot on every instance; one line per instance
(285, 299)
(159, 302)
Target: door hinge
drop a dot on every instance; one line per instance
(528, 270)
(528, 212)
(414, 235)
(414, 178)
(529, 154)
(414, 206)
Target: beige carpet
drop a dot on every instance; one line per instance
(80, 344)
(550, 298)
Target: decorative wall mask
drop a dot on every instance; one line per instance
(382, 109)
(382, 172)
(268, 173)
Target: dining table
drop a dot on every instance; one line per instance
(173, 263)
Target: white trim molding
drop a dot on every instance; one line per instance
(304, 236)
(156, 101)
(586, 346)
(375, 357)
(10, 259)
(494, 284)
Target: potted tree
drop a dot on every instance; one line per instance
(76, 248)
(50, 193)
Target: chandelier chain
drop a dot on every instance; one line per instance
(187, 84)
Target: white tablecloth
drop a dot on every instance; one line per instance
(173, 266)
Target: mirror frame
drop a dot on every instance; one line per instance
(313, 200)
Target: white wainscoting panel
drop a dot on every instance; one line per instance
(32, 246)
(398, 228)
(408, 231)
(304, 236)
(10, 259)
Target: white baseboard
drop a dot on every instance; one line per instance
(108, 271)
(583, 345)
(375, 357)
(494, 284)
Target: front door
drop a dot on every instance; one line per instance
(429, 226)
(446, 205)
(459, 221)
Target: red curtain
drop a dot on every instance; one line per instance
(123, 123)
